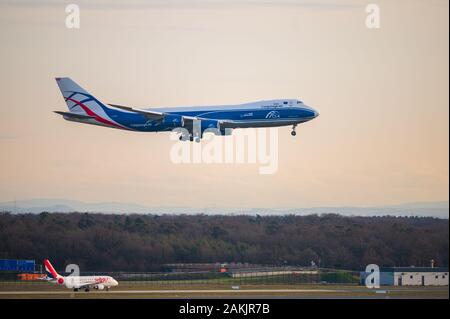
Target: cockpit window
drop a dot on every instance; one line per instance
(299, 102)
(285, 102)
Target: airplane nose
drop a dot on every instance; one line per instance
(314, 112)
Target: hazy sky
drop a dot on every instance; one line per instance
(381, 138)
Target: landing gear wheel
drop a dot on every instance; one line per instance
(293, 133)
(87, 289)
(184, 137)
(75, 289)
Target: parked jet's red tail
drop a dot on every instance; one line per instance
(50, 271)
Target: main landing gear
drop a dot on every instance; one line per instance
(190, 137)
(293, 133)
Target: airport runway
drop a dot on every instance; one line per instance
(213, 291)
(337, 293)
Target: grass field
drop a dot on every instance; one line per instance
(42, 290)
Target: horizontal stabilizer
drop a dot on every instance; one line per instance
(74, 116)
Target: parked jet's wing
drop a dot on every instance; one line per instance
(152, 115)
(88, 285)
(91, 284)
(45, 278)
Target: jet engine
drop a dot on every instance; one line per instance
(99, 287)
(213, 125)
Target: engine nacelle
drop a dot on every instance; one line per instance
(206, 124)
(226, 131)
(212, 126)
(99, 287)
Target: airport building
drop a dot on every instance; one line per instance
(411, 276)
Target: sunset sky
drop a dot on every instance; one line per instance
(381, 137)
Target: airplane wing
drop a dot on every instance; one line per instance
(91, 284)
(45, 278)
(151, 115)
(188, 121)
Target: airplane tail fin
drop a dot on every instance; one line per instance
(50, 271)
(80, 101)
(73, 94)
(84, 106)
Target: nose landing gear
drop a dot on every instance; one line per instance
(293, 133)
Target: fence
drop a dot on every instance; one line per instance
(265, 276)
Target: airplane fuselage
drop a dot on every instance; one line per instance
(76, 282)
(257, 114)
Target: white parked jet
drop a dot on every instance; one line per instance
(78, 282)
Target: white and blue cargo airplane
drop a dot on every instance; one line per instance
(85, 108)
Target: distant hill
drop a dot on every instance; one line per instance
(67, 206)
(427, 209)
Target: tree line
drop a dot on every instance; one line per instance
(112, 242)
